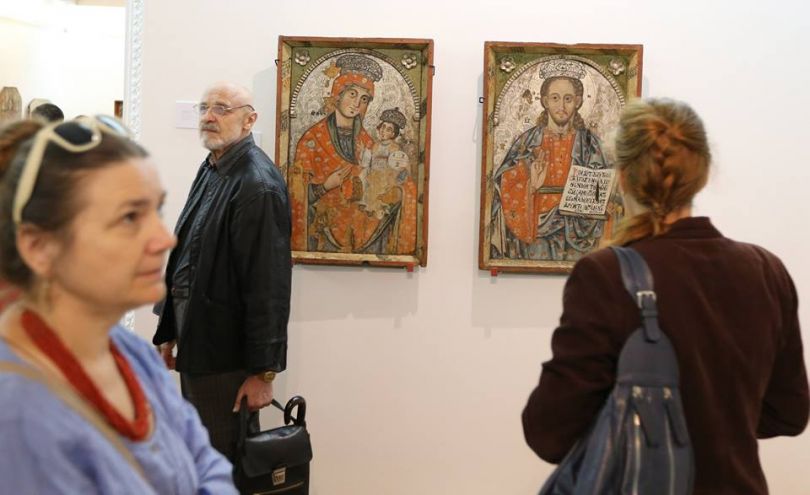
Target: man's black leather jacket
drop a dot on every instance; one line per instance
(240, 268)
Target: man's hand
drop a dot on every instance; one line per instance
(166, 352)
(537, 169)
(258, 392)
(337, 177)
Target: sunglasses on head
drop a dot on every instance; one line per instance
(75, 136)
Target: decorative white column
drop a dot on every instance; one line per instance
(132, 88)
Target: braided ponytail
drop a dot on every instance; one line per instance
(663, 152)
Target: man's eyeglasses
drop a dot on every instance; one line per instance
(218, 110)
(76, 136)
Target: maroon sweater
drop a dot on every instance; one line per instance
(731, 312)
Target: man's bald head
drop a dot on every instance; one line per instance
(241, 95)
(226, 116)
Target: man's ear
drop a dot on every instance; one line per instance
(38, 249)
(250, 120)
(579, 102)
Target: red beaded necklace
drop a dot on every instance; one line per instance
(49, 343)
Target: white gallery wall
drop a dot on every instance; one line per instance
(71, 55)
(415, 382)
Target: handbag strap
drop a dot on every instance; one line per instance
(244, 420)
(638, 281)
(244, 416)
(77, 404)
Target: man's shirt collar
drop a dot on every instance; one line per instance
(231, 156)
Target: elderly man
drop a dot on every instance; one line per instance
(229, 276)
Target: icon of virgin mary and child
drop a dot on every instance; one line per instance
(350, 192)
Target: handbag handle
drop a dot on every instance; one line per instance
(300, 418)
(295, 402)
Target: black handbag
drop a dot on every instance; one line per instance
(639, 443)
(277, 460)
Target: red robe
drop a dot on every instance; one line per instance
(339, 217)
(522, 207)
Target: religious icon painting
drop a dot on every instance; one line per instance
(353, 141)
(548, 185)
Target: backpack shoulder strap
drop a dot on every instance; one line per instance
(638, 281)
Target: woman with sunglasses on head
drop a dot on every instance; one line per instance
(729, 308)
(87, 406)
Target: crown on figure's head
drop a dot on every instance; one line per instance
(562, 68)
(394, 116)
(352, 62)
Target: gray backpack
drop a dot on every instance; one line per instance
(639, 444)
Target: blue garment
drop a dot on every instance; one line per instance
(559, 237)
(47, 448)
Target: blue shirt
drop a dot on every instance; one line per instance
(47, 448)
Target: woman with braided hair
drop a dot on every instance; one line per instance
(729, 308)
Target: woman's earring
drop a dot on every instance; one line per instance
(44, 295)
